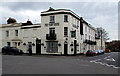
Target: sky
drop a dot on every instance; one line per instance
(98, 14)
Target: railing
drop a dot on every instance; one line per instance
(90, 42)
(51, 36)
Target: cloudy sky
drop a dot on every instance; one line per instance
(98, 14)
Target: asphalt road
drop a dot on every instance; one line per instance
(109, 59)
(0, 64)
(100, 64)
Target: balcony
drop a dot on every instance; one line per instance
(90, 42)
(51, 36)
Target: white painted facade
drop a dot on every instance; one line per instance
(62, 44)
(99, 46)
(12, 38)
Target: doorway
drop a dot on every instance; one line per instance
(75, 47)
(38, 46)
(65, 48)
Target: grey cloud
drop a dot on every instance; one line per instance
(102, 14)
(17, 6)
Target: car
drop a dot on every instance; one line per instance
(7, 50)
(96, 51)
(115, 50)
(90, 52)
(101, 51)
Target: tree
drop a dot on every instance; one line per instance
(101, 33)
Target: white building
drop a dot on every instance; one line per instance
(11, 33)
(100, 44)
(61, 32)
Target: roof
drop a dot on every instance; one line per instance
(11, 25)
(52, 11)
(27, 23)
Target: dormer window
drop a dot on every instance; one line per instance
(52, 19)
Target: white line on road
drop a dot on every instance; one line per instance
(105, 64)
(111, 59)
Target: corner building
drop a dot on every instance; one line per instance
(64, 32)
(61, 32)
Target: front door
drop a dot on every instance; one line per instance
(65, 48)
(75, 47)
(38, 46)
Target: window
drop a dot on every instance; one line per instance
(85, 28)
(77, 23)
(89, 30)
(7, 33)
(18, 43)
(52, 46)
(65, 18)
(52, 30)
(52, 19)
(73, 33)
(81, 37)
(16, 32)
(8, 43)
(65, 31)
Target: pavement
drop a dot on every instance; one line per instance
(45, 64)
(0, 64)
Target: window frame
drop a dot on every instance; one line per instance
(65, 18)
(52, 30)
(65, 31)
(52, 19)
(73, 32)
(8, 43)
(52, 46)
(7, 33)
(16, 32)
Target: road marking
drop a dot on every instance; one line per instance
(95, 60)
(108, 58)
(111, 59)
(105, 64)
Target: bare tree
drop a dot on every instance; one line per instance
(101, 33)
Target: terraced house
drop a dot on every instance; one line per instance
(61, 32)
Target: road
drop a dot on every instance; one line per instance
(108, 59)
(100, 64)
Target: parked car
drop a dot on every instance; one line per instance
(115, 50)
(101, 51)
(107, 50)
(90, 52)
(7, 50)
(96, 51)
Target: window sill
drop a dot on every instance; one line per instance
(65, 21)
(65, 36)
(51, 22)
